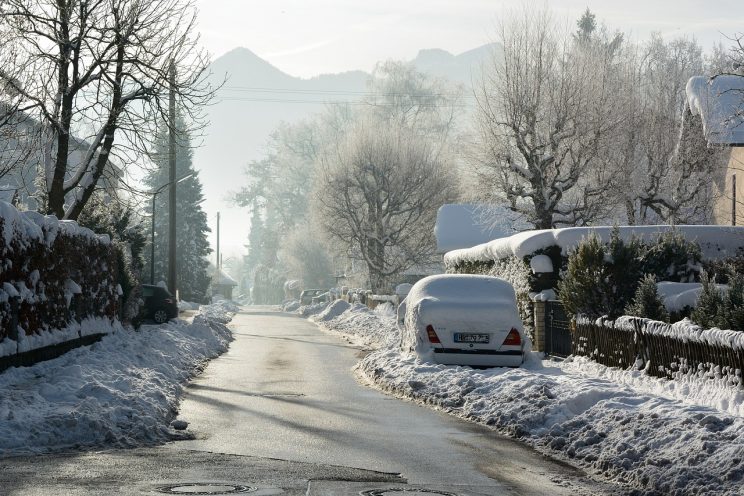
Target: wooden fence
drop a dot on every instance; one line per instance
(663, 350)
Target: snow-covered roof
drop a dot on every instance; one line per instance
(719, 102)
(715, 241)
(462, 226)
(226, 280)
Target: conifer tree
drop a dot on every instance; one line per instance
(646, 302)
(582, 289)
(731, 313)
(710, 302)
(191, 221)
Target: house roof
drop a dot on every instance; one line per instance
(225, 279)
(465, 225)
(719, 101)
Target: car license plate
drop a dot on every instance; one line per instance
(466, 337)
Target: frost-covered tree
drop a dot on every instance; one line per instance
(306, 257)
(379, 194)
(100, 71)
(546, 108)
(666, 166)
(279, 186)
(192, 248)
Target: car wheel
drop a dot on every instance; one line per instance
(160, 316)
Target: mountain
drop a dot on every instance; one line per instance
(255, 97)
(463, 68)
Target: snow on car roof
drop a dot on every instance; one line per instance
(462, 287)
(715, 241)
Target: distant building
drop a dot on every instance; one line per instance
(223, 284)
(22, 155)
(719, 103)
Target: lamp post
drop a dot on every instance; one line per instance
(154, 194)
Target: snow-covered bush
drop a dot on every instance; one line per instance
(673, 258)
(57, 271)
(601, 279)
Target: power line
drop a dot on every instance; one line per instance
(243, 89)
(337, 102)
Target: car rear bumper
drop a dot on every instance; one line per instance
(478, 358)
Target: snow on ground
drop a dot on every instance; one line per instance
(120, 392)
(655, 436)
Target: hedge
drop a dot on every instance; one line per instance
(57, 273)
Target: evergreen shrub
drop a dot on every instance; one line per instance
(601, 279)
(723, 309)
(646, 302)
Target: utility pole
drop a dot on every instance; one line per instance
(217, 263)
(172, 283)
(733, 200)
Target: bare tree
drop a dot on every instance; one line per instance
(379, 194)
(99, 70)
(546, 110)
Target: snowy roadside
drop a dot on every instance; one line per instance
(120, 392)
(654, 436)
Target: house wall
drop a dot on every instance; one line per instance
(724, 194)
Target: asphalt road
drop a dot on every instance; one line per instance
(281, 413)
(285, 390)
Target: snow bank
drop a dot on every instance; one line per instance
(220, 311)
(651, 435)
(184, 306)
(118, 393)
(332, 311)
(308, 310)
(716, 242)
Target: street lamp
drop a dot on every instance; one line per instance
(154, 194)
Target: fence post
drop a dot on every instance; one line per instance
(539, 307)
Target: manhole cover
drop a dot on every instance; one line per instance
(208, 488)
(409, 491)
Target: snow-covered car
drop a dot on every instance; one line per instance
(306, 297)
(459, 319)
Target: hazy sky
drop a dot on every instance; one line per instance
(309, 37)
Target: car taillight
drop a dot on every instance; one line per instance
(433, 338)
(513, 338)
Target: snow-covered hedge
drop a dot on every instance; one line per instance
(57, 273)
(534, 261)
(716, 242)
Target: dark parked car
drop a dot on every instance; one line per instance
(159, 306)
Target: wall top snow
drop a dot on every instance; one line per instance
(28, 226)
(716, 242)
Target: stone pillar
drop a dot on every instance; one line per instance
(539, 310)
